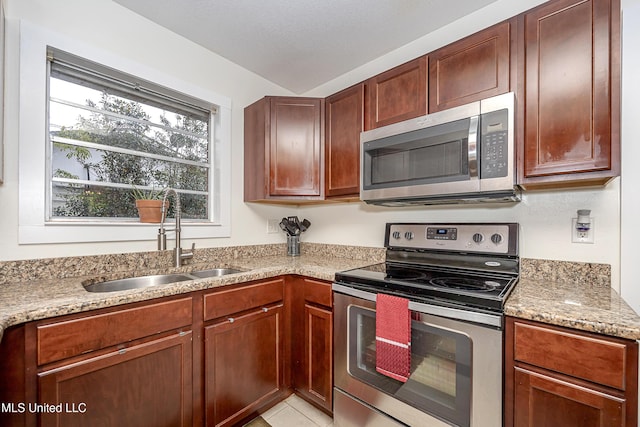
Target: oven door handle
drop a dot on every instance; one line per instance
(488, 319)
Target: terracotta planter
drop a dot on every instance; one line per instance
(151, 210)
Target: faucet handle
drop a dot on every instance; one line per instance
(187, 254)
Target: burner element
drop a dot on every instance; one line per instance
(465, 283)
(405, 274)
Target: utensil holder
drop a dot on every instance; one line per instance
(293, 245)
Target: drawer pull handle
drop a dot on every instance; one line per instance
(231, 320)
(265, 309)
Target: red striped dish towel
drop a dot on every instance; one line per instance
(393, 337)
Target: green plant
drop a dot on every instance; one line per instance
(153, 194)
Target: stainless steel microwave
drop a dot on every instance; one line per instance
(461, 155)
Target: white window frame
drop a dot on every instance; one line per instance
(33, 227)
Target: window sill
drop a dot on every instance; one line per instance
(112, 232)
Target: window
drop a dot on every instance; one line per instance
(112, 136)
(75, 178)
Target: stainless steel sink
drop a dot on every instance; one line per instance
(136, 282)
(155, 280)
(214, 272)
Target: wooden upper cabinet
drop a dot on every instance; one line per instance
(398, 94)
(283, 140)
(344, 115)
(571, 99)
(471, 69)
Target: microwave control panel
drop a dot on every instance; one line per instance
(494, 145)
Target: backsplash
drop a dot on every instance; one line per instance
(66, 267)
(565, 271)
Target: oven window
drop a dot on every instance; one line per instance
(440, 381)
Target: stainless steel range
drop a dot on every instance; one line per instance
(456, 278)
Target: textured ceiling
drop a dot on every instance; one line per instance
(301, 44)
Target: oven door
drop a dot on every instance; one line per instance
(456, 368)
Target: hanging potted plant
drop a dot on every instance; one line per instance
(149, 204)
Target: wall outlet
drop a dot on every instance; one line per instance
(578, 236)
(273, 226)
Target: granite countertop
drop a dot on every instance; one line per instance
(575, 295)
(572, 294)
(574, 304)
(22, 302)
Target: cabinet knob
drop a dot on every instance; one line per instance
(265, 309)
(231, 320)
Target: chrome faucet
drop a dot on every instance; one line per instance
(178, 255)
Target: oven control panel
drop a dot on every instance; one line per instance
(495, 238)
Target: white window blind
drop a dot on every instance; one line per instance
(111, 134)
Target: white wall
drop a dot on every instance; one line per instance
(109, 27)
(630, 236)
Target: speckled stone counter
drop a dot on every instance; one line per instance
(33, 290)
(575, 295)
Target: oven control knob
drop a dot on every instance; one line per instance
(496, 238)
(478, 238)
(408, 235)
(396, 235)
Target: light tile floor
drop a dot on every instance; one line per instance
(295, 412)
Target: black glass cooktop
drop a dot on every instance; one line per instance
(432, 284)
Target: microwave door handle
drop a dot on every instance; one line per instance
(473, 147)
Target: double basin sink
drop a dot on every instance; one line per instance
(158, 279)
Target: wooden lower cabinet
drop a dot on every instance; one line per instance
(215, 358)
(244, 352)
(313, 346)
(557, 376)
(147, 384)
(542, 400)
(243, 365)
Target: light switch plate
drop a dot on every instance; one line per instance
(272, 226)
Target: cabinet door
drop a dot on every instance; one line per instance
(244, 364)
(147, 384)
(312, 341)
(344, 122)
(543, 401)
(572, 82)
(471, 69)
(295, 146)
(398, 94)
(317, 365)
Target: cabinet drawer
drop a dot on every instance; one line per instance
(240, 299)
(601, 361)
(60, 340)
(317, 292)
